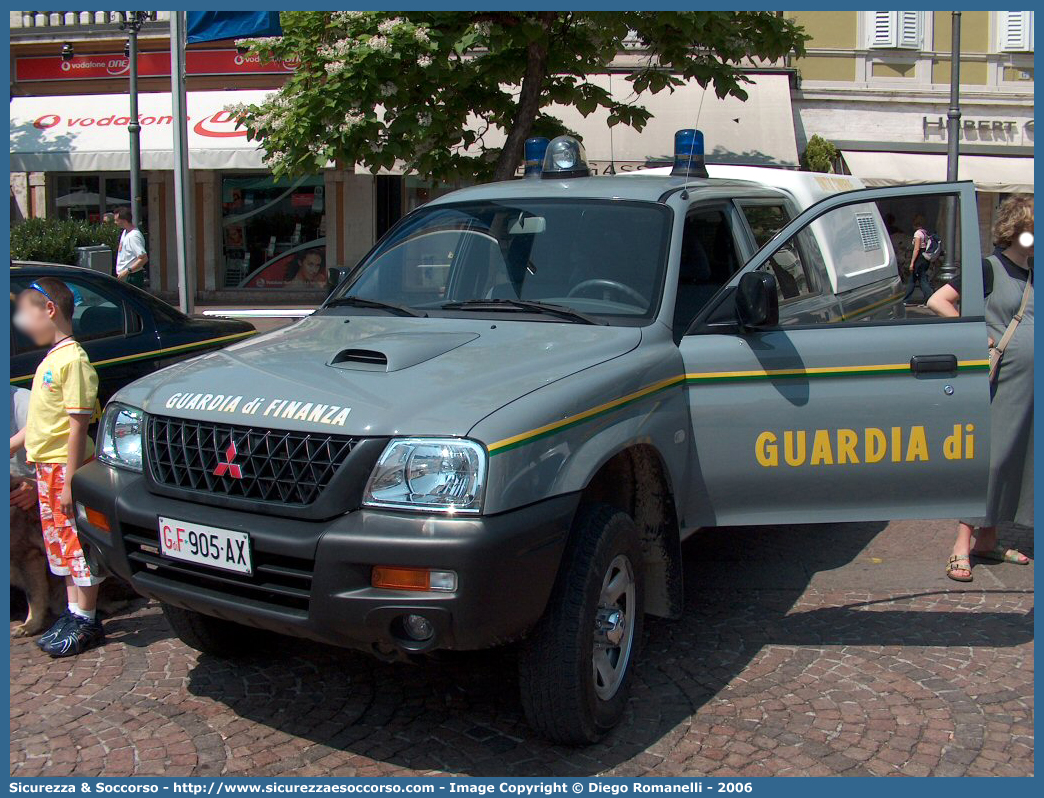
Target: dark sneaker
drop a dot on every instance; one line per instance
(57, 629)
(81, 634)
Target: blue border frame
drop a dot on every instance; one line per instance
(858, 786)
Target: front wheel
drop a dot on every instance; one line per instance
(575, 667)
(215, 636)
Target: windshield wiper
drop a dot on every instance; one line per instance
(360, 302)
(547, 308)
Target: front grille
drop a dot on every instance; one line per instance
(284, 582)
(263, 465)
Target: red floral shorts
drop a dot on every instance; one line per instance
(64, 552)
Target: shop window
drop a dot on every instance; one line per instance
(388, 190)
(273, 232)
(90, 197)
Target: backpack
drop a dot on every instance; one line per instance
(932, 246)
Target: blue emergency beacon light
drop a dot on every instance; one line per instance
(688, 154)
(535, 149)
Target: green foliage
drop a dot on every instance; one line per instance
(55, 240)
(820, 155)
(440, 91)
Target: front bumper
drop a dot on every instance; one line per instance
(312, 578)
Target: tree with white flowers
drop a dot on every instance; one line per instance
(429, 88)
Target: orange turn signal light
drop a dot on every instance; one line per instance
(97, 519)
(400, 578)
(395, 578)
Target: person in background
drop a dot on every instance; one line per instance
(63, 399)
(131, 256)
(1007, 278)
(919, 265)
(109, 218)
(23, 485)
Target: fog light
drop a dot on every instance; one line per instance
(418, 627)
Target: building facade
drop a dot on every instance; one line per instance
(876, 84)
(873, 83)
(258, 238)
(70, 158)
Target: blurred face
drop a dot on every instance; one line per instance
(1025, 240)
(36, 319)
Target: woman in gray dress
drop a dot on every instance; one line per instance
(1009, 497)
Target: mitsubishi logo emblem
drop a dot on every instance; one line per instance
(229, 467)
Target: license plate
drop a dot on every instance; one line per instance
(205, 545)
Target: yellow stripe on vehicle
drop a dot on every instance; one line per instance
(587, 415)
(705, 378)
(170, 350)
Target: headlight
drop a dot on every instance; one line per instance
(119, 436)
(432, 474)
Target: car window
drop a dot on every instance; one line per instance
(765, 220)
(708, 261)
(792, 265)
(96, 315)
(850, 253)
(604, 258)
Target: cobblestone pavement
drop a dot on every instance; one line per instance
(818, 650)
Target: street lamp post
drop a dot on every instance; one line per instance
(132, 22)
(948, 270)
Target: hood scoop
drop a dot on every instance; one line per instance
(397, 351)
(368, 359)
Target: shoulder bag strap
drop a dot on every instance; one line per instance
(1014, 323)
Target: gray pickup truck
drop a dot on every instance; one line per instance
(502, 425)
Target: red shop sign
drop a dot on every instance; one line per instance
(151, 64)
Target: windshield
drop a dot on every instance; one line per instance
(600, 258)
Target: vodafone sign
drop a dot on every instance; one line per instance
(219, 125)
(88, 132)
(152, 64)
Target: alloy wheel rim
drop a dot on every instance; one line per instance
(614, 628)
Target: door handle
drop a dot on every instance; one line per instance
(933, 364)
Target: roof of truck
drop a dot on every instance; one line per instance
(807, 188)
(650, 185)
(632, 186)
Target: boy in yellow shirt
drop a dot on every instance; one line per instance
(63, 399)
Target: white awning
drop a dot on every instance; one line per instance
(88, 133)
(756, 131)
(997, 173)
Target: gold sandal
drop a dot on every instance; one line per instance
(1001, 554)
(952, 566)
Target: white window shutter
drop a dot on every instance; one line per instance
(1016, 31)
(881, 29)
(909, 26)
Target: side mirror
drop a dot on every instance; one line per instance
(757, 303)
(334, 277)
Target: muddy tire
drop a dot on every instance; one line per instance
(575, 666)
